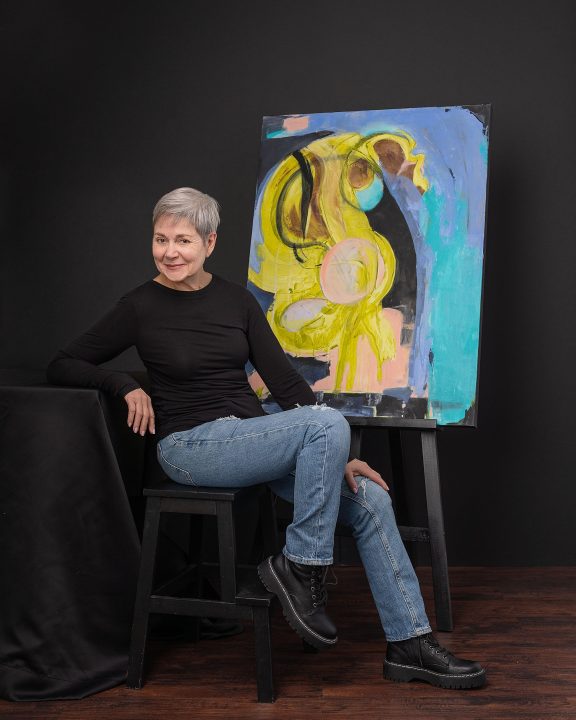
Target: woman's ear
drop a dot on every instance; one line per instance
(210, 243)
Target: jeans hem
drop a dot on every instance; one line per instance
(418, 632)
(307, 561)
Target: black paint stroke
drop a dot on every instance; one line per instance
(307, 185)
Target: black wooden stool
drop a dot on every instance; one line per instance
(242, 597)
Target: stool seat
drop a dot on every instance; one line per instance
(163, 487)
(241, 595)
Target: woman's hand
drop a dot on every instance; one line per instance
(359, 467)
(140, 412)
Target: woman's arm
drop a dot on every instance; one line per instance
(287, 386)
(77, 364)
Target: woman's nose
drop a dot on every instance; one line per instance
(171, 251)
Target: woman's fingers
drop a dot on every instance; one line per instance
(352, 484)
(137, 416)
(131, 411)
(359, 467)
(140, 412)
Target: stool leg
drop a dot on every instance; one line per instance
(227, 552)
(142, 604)
(440, 580)
(196, 546)
(262, 637)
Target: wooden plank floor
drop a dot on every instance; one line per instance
(520, 622)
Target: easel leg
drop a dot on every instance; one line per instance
(399, 491)
(355, 442)
(440, 580)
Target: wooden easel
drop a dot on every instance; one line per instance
(433, 534)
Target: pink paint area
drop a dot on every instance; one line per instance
(394, 371)
(257, 384)
(294, 124)
(351, 270)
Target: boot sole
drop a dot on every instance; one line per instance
(406, 673)
(273, 584)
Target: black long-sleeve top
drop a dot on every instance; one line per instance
(194, 345)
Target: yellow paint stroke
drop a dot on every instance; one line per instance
(326, 266)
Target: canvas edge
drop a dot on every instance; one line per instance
(485, 246)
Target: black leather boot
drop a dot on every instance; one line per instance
(423, 658)
(301, 592)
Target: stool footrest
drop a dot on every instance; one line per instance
(252, 592)
(198, 608)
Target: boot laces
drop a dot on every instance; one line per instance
(317, 586)
(436, 648)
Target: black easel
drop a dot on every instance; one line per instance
(434, 533)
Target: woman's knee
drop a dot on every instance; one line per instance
(332, 420)
(373, 495)
(371, 504)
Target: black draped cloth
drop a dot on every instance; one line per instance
(69, 548)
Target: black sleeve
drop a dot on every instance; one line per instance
(287, 386)
(77, 363)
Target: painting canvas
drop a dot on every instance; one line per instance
(367, 256)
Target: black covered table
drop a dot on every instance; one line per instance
(69, 548)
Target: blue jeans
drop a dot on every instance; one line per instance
(302, 454)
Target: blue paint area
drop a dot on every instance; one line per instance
(311, 369)
(264, 298)
(270, 407)
(447, 225)
(402, 393)
(409, 201)
(369, 197)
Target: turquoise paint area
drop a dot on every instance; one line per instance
(484, 149)
(369, 197)
(455, 286)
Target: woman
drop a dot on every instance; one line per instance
(195, 332)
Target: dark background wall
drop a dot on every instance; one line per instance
(107, 106)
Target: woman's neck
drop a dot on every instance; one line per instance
(187, 285)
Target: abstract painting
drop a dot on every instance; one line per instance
(367, 256)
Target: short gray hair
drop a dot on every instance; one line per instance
(185, 203)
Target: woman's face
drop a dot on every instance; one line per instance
(179, 251)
